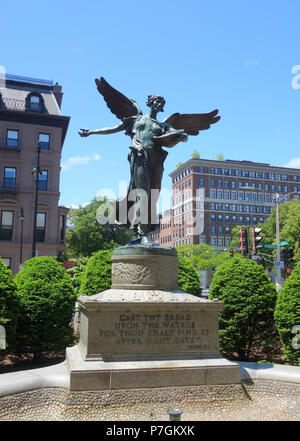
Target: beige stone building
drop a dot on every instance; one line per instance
(30, 116)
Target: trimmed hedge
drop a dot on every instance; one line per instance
(287, 316)
(247, 320)
(47, 301)
(9, 305)
(97, 275)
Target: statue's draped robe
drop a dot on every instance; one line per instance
(146, 161)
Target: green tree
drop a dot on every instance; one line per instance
(202, 256)
(220, 157)
(287, 316)
(179, 164)
(97, 275)
(188, 279)
(76, 268)
(47, 300)
(195, 154)
(246, 322)
(86, 235)
(9, 305)
(289, 225)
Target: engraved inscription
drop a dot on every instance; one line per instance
(157, 330)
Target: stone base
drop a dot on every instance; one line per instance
(100, 375)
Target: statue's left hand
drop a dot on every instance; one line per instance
(85, 132)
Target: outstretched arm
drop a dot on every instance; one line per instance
(104, 131)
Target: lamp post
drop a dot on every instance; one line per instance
(36, 173)
(21, 238)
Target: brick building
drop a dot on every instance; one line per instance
(30, 115)
(211, 197)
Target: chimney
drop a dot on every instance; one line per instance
(57, 90)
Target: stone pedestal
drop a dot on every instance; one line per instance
(143, 332)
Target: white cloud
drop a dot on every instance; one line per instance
(293, 163)
(79, 160)
(251, 62)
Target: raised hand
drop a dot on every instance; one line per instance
(85, 132)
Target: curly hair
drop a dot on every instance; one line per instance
(152, 98)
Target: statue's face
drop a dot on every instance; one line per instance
(158, 104)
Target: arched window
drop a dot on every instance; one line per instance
(35, 102)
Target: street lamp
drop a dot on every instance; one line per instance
(36, 173)
(21, 238)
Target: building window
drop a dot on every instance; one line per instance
(227, 219)
(247, 208)
(212, 182)
(233, 184)
(226, 207)
(43, 180)
(201, 169)
(241, 196)
(247, 219)
(240, 173)
(266, 175)
(219, 171)
(213, 241)
(272, 176)
(261, 197)
(272, 187)
(240, 184)
(212, 206)
(212, 171)
(9, 179)
(261, 219)
(6, 261)
(213, 218)
(12, 138)
(62, 227)
(227, 240)
(44, 141)
(220, 218)
(226, 195)
(259, 175)
(202, 239)
(240, 208)
(220, 194)
(220, 207)
(233, 172)
(259, 186)
(213, 229)
(295, 178)
(201, 182)
(254, 209)
(220, 229)
(266, 187)
(254, 220)
(213, 194)
(285, 177)
(226, 171)
(234, 219)
(233, 195)
(253, 174)
(219, 183)
(246, 173)
(254, 197)
(241, 219)
(220, 241)
(35, 103)
(40, 227)
(279, 188)
(295, 189)
(285, 188)
(233, 207)
(6, 227)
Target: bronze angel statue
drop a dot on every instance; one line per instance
(146, 157)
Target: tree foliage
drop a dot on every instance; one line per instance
(47, 300)
(220, 157)
(202, 256)
(287, 316)
(246, 321)
(9, 305)
(86, 235)
(195, 154)
(97, 275)
(188, 279)
(289, 225)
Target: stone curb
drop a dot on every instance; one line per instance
(58, 376)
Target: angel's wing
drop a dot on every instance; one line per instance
(192, 122)
(118, 103)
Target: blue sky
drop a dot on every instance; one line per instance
(234, 55)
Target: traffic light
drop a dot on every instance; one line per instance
(284, 256)
(243, 241)
(231, 254)
(288, 272)
(256, 239)
(290, 254)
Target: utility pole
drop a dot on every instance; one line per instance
(21, 237)
(278, 269)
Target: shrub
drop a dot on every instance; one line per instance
(287, 315)
(76, 268)
(246, 322)
(188, 279)
(9, 305)
(47, 301)
(97, 275)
